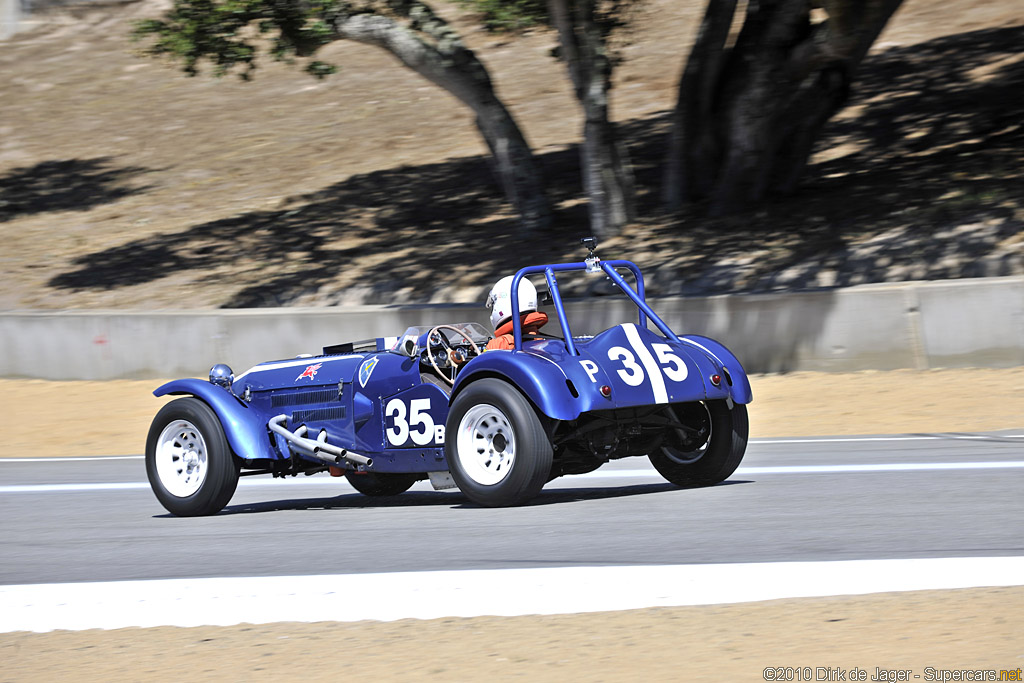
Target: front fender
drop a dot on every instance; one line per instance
(245, 430)
(740, 389)
(541, 380)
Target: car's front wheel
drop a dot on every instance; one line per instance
(713, 455)
(188, 461)
(498, 451)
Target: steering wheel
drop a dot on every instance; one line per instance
(444, 343)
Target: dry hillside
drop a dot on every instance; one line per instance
(124, 184)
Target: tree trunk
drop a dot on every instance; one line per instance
(446, 62)
(755, 90)
(607, 179)
(747, 117)
(826, 77)
(691, 144)
(607, 176)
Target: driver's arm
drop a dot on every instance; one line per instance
(503, 342)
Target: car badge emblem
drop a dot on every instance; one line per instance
(309, 372)
(365, 370)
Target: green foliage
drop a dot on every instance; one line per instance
(230, 33)
(500, 16)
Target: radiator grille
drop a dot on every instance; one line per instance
(318, 415)
(304, 398)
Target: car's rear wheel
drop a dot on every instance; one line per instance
(714, 456)
(379, 484)
(498, 451)
(188, 461)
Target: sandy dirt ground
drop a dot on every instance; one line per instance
(973, 630)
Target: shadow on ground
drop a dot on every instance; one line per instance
(415, 223)
(454, 500)
(65, 185)
(921, 179)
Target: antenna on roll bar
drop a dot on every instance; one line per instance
(592, 260)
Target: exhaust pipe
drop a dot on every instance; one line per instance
(319, 449)
(327, 448)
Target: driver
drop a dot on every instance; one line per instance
(499, 300)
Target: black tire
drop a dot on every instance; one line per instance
(498, 451)
(717, 459)
(188, 460)
(378, 484)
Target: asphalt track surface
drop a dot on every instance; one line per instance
(816, 499)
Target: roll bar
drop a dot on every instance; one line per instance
(609, 268)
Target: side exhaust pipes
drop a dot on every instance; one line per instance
(318, 448)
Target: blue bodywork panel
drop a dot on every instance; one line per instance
(376, 402)
(246, 430)
(739, 383)
(641, 367)
(349, 396)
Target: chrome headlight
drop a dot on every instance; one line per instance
(221, 375)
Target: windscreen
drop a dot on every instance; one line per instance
(414, 340)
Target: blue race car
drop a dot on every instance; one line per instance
(432, 404)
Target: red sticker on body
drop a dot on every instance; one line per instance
(309, 372)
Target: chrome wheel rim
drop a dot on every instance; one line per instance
(486, 445)
(181, 458)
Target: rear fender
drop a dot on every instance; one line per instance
(539, 379)
(723, 357)
(245, 430)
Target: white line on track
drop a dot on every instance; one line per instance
(470, 593)
(823, 469)
(609, 474)
(882, 467)
(852, 439)
(84, 458)
(72, 488)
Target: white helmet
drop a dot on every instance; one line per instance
(499, 300)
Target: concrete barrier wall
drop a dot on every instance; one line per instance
(10, 18)
(960, 323)
(24, 15)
